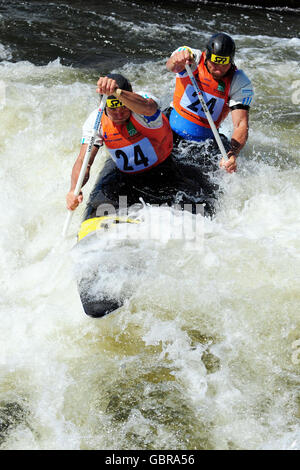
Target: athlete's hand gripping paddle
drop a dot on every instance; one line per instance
(207, 113)
(86, 161)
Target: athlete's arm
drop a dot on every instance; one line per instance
(132, 101)
(241, 97)
(72, 200)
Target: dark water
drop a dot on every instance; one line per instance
(106, 34)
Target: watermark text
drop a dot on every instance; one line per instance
(177, 222)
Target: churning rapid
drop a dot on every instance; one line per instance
(205, 354)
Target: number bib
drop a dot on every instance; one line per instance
(190, 102)
(135, 157)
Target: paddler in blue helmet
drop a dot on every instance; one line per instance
(225, 90)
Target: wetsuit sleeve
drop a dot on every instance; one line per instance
(241, 91)
(88, 128)
(197, 56)
(152, 122)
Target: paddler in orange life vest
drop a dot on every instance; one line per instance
(136, 133)
(225, 89)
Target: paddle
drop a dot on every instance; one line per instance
(207, 113)
(85, 161)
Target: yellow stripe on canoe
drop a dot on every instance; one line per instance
(96, 223)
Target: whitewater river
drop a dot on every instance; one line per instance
(206, 352)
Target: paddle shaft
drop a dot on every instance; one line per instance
(207, 113)
(86, 161)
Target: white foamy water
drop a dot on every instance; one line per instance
(204, 352)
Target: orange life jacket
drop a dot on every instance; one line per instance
(215, 93)
(134, 147)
